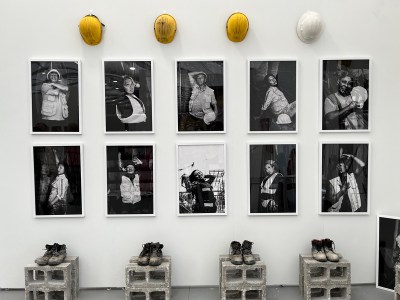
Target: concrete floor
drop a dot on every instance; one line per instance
(358, 292)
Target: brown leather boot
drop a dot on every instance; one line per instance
(328, 246)
(144, 256)
(235, 253)
(317, 250)
(248, 257)
(156, 255)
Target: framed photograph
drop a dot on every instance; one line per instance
(272, 179)
(273, 96)
(201, 170)
(128, 94)
(130, 180)
(58, 180)
(200, 96)
(55, 96)
(388, 251)
(345, 95)
(344, 178)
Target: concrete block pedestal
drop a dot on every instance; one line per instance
(148, 282)
(324, 280)
(53, 282)
(242, 281)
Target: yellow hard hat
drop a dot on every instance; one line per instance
(165, 28)
(237, 27)
(91, 29)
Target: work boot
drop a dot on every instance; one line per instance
(317, 250)
(248, 257)
(235, 253)
(144, 256)
(329, 251)
(44, 260)
(59, 254)
(156, 255)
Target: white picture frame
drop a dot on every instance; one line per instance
(201, 193)
(213, 119)
(55, 105)
(341, 161)
(263, 117)
(272, 179)
(126, 110)
(130, 180)
(58, 191)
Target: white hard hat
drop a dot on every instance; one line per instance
(309, 27)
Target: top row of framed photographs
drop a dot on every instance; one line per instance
(128, 97)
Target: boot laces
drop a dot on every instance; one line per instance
(235, 249)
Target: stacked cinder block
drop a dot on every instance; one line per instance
(324, 280)
(397, 283)
(148, 282)
(242, 281)
(53, 282)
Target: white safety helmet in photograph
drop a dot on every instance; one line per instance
(309, 27)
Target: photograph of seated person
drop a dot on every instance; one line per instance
(273, 96)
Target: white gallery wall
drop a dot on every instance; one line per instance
(49, 29)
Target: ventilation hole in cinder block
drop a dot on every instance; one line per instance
(234, 274)
(157, 275)
(254, 295)
(317, 272)
(318, 292)
(138, 277)
(254, 274)
(338, 293)
(57, 275)
(56, 295)
(137, 296)
(157, 295)
(232, 294)
(338, 272)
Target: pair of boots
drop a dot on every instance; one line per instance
(151, 254)
(322, 250)
(241, 253)
(54, 255)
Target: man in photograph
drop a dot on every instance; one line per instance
(343, 192)
(341, 110)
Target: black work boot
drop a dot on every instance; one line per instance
(329, 251)
(59, 254)
(235, 253)
(44, 260)
(248, 257)
(144, 256)
(156, 254)
(317, 250)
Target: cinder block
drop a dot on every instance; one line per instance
(48, 276)
(250, 292)
(144, 293)
(47, 293)
(324, 280)
(74, 260)
(242, 275)
(148, 276)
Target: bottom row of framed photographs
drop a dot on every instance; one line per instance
(272, 175)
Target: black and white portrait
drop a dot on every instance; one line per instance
(345, 94)
(55, 88)
(273, 179)
(388, 251)
(128, 96)
(273, 96)
(58, 180)
(201, 179)
(130, 180)
(344, 178)
(200, 94)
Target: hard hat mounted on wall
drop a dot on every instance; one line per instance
(237, 27)
(309, 27)
(165, 28)
(91, 29)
